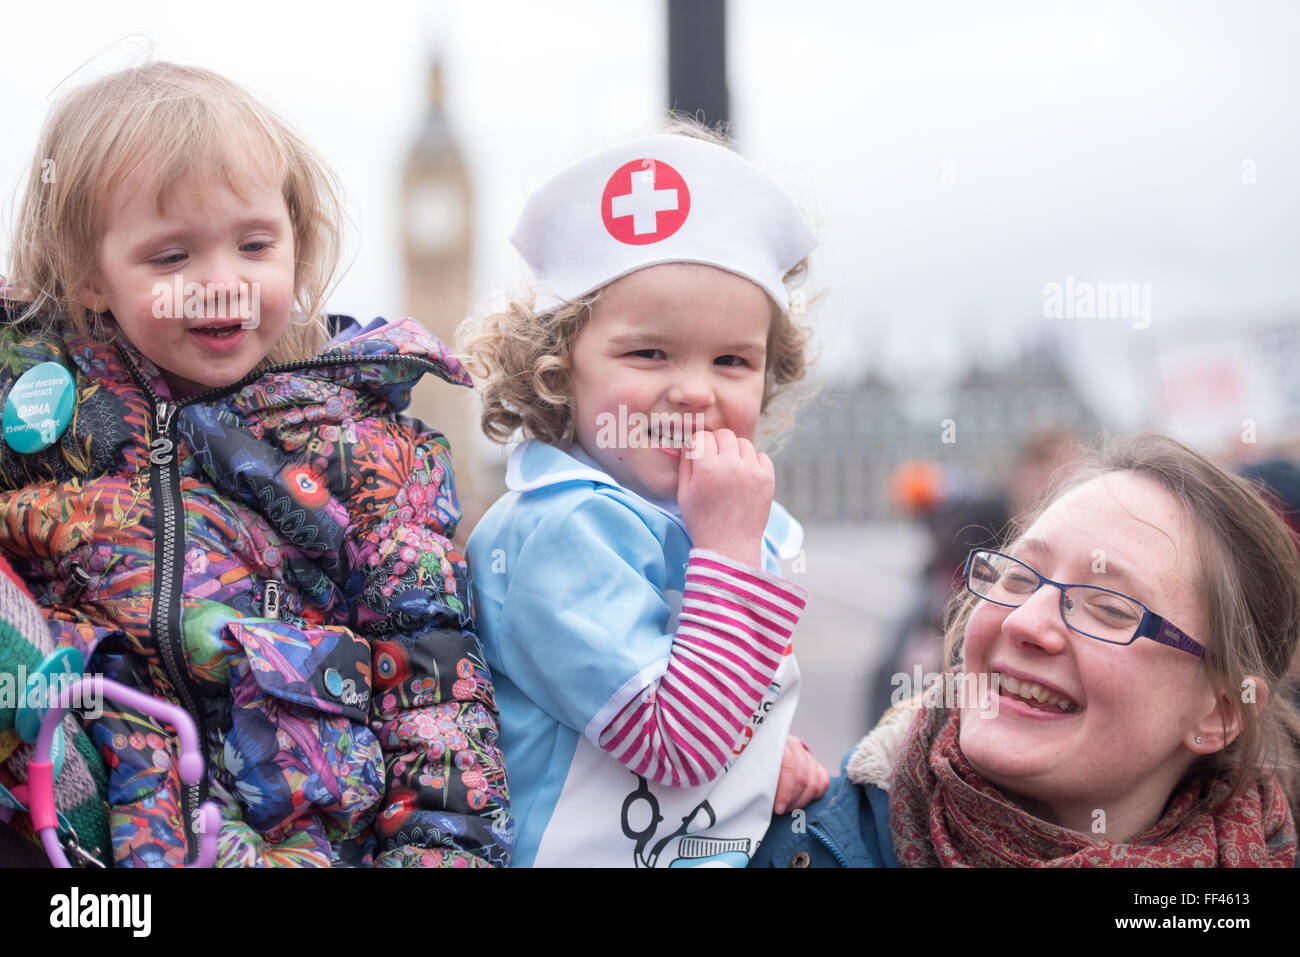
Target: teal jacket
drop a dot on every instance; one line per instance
(848, 826)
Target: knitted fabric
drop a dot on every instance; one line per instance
(943, 814)
(81, 789)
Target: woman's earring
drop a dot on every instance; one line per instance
(1198, 739)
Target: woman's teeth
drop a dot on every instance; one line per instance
(1036, 694)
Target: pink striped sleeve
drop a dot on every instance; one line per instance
(735, 625)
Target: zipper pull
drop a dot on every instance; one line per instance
(271, 599)
(160, 450)
(79, 578)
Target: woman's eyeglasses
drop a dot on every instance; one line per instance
(1090, 610)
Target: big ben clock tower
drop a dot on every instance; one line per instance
(437, 236)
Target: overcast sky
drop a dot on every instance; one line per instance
(954, 157)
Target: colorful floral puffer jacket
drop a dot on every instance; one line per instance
(276, 558)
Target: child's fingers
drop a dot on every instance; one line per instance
(806, 778)
(817, 782)
(728, 444)
(703, 443)
(785, 791)
(685, 464)
(787, 780)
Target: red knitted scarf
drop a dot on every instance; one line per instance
(943, 814)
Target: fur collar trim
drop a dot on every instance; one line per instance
(874, 758)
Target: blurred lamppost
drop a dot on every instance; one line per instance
(697, 59)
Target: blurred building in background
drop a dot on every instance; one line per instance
(837, 461)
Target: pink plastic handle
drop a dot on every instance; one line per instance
(41, 778)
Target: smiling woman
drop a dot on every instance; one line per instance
(1106, 734)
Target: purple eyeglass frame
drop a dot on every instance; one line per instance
(1151, 626)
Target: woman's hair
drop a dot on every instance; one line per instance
(173, 121)
(520, 358)
(1248, 570)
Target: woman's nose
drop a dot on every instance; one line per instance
(1038, 621)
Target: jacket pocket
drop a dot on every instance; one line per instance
(298, 741)
(327, 669)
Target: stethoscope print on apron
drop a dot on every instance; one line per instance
(692, 850)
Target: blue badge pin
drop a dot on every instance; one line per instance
(39, 407)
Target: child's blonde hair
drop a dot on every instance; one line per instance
(520, 358)
(175, 121)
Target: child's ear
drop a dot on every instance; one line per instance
(92, 296)
(1222, 722)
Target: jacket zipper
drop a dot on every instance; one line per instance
(829, 845)
(169, 551)
(316, 362)
(169, 547)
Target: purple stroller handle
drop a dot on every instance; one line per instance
(190, 765)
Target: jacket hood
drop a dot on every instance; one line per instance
(400, 337)
(363, 356)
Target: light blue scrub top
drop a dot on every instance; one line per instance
(577, 585)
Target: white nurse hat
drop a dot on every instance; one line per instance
(662, 199)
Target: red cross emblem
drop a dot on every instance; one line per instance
(645, 201)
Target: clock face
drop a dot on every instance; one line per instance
(434, 217)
